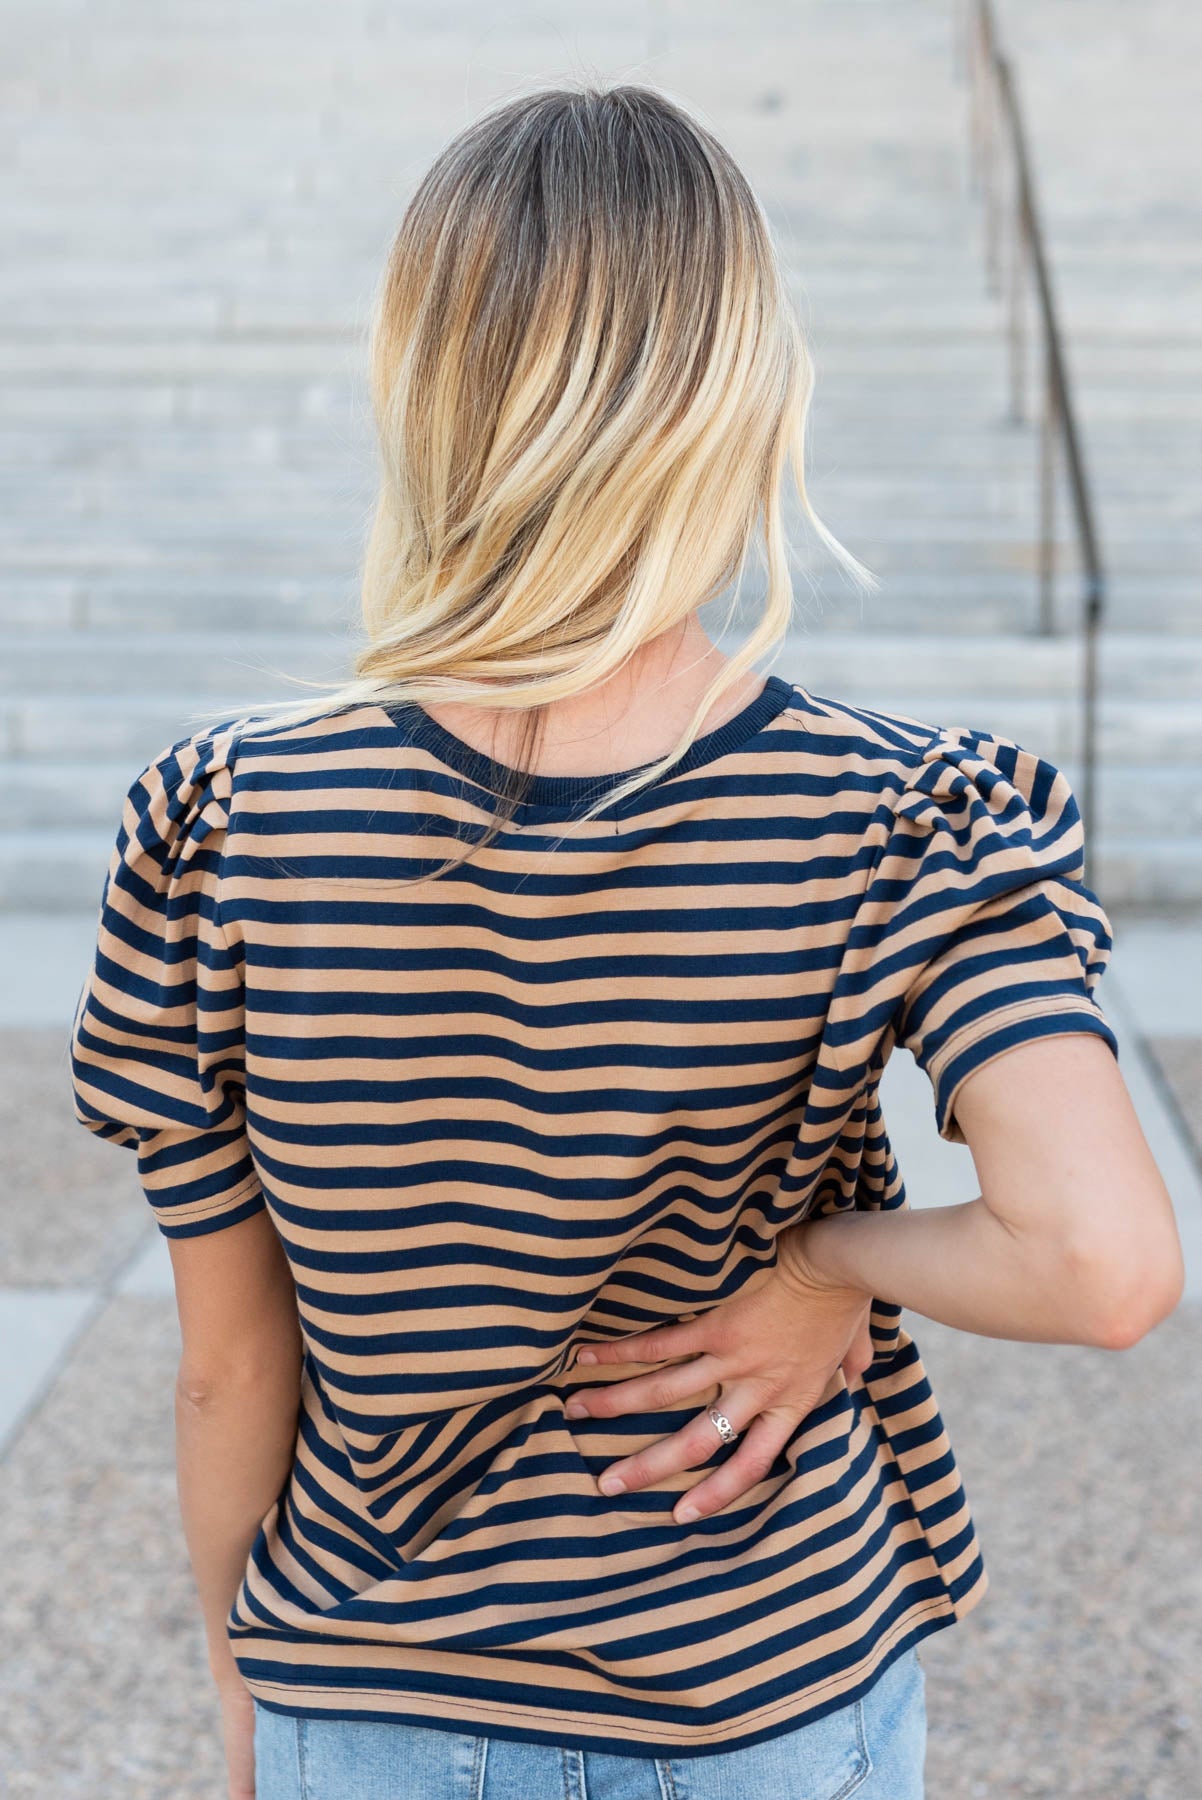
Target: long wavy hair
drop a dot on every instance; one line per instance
(589, 386)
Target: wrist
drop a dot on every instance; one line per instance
(803, 1255)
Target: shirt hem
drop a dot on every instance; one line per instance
(173, 1220)
(987, 1023)
(547, 1725)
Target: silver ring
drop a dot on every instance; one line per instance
(726, 1430)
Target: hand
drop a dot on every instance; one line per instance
(238, 1731)
(771, 1350)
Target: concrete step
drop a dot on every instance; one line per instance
(53, 871)
(968, 449)
(1139, 665)
(1163, 873)
(229, 550)
(1132, 735)
(128, 730)
(288, 320)
(844, 338)
(267, 432)
(1006, 604)
(94, 662)
(985, 609)
(184, 419)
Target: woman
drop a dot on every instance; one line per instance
(500, 1040)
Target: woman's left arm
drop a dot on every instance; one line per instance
(237, 1397)
(1073, 1240)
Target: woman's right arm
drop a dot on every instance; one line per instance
(1073, 1239)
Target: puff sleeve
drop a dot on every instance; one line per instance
(978, 932)
(156, 1048)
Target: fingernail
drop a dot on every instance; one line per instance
(575, 1409)
(586, 1356)
(687, 1514)
(612, 1484)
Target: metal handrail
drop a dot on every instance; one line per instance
(994, 97)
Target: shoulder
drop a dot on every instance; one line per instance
(888, 748)
(187, 790)
(965, 786)
(199, 760)
(928, 756)
(979, 789)
(209, 758)
(182, 794)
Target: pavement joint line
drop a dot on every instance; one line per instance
(1167, 1095)
(1164, 1127)
(105, 1292)
(44, 1387)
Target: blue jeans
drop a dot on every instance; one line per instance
(873, 1748)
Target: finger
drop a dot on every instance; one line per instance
(751, 1463)
(654, 1392)
(682, 1449)
(655, 1344)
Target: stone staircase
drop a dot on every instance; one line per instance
(189, 468)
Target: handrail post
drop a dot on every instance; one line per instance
(1018, 269)
(975, 59)
(988, 115)
(966, 36)
(996, 106)
(1094, 607)
(1047, 500)
(990, 183)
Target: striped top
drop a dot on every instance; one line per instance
(572, 1089)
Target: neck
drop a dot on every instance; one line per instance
(631, 718)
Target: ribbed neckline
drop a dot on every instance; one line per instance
(567, 792)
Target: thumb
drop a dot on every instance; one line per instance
(860, 1352)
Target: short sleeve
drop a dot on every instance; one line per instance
(156, 1049)
(984, 935)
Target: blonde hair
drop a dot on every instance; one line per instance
(589, 385)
